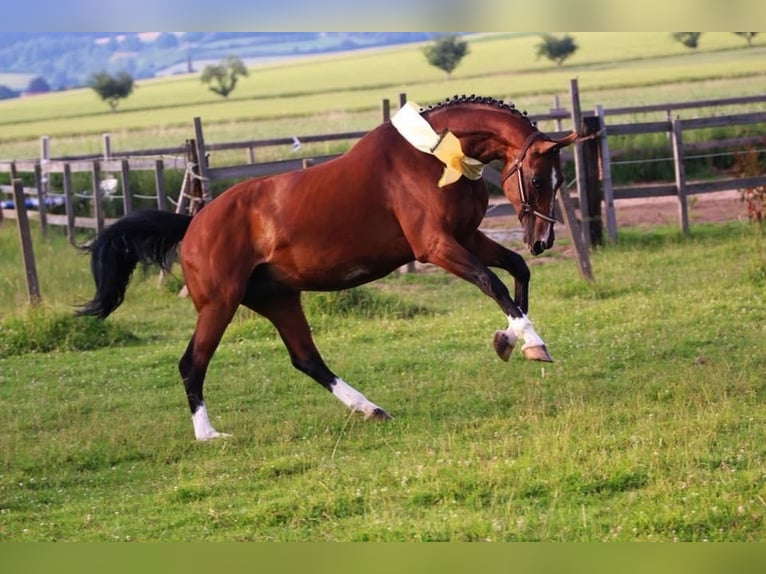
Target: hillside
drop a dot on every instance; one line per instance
(66, 60)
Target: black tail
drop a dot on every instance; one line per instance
(144, 236)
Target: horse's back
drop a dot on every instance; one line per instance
(325, 227)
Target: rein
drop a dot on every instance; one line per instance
(516, 167)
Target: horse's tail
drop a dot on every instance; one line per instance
(144, 236)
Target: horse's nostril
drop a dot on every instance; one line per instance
(537, 248)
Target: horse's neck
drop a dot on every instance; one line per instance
(484, 134)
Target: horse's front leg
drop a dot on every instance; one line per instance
(492, 254)
(473, 266)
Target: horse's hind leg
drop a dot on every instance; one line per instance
(285, 312)
(211, 323)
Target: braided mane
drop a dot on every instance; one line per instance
(474, 99)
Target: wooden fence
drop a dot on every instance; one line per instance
(680, 187)
(591, 158)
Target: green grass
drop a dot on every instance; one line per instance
(649, 425)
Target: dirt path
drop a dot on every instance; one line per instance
(714, 207)
(703, 208)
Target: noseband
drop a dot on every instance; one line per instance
(516, 167)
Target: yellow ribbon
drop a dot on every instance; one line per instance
(416, 130)
(450, 153)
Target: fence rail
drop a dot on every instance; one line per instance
(162, 160)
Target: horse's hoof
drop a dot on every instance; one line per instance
(212, 436)
(503, 345)
(378, 415)
(537, 353)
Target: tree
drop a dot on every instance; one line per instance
(7, 93)
(225, 73)
(556, 49)
(688, 39)
(38, 85)
(747, 36)
(166, 40)
(112, 89)
(446, 53)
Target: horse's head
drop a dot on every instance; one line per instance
(490, 130)
(531, 176)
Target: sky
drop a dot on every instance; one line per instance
(384, 15)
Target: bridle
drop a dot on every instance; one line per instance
(516, 167)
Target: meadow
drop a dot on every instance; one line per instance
(649, 425)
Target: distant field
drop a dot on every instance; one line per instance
(330, 93)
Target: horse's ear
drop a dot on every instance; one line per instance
(554, 144)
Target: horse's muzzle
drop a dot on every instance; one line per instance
(538, 247)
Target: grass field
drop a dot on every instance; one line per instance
(649, 425)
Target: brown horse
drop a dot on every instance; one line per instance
(336, 225)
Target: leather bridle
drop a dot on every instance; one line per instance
(516, 167)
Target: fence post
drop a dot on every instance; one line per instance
(42, 208)
(557, 107)
(98, 211)
(159, 183)
(574, 94)
(196, 196)
(27, 252)
(45, 155)
(106, 139)
(183, 193)
(606, 176)
(202, 160)
(593, 193)
(68, 202)
(127, 199)
(13, 176)
(386, 106)
(570, 220)
(680, 174)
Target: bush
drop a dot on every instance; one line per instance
(748, 164)
(362, 302)
(42, 331)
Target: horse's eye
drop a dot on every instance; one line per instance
(537, 182)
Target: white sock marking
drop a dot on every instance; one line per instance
(352, 398)
(522, 328)
(203, 430)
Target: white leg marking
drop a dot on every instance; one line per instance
(203, 430)
(522, 328)
(353, 399)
